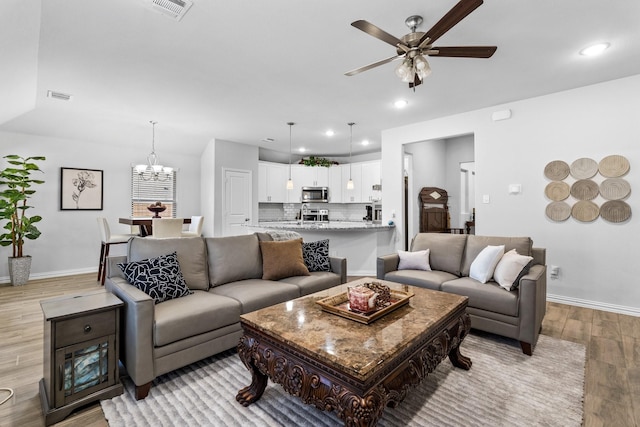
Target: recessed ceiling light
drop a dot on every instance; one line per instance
(401, 103)
(365, 142)
(329, 133)
(595, 49)
(302, 149)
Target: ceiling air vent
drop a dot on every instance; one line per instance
(173, 8)
(59, 95)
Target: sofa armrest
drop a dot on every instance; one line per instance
(339, 266)
(112, 266)
(136, 330)
(386, 264)
(532, 303)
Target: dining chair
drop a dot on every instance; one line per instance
(166, 227)
(108, 239)
(195, 227)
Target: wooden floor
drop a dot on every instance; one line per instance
(612, 379)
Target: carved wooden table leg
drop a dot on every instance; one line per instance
(254, 391)
(459, 360)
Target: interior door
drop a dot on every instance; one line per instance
(237, 199)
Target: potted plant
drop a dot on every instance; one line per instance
(16, 183)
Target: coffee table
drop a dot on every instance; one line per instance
(355, 369)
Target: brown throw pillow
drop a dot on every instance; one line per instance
(282, 259)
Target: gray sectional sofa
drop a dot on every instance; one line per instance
(514, 313)
(225, 275)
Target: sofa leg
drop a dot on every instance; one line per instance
(142, 391)
(526, 348)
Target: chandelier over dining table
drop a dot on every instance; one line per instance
(153, 170)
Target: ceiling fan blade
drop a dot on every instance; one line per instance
(455, 15)
(463, 51)
(375, 64)
(376, 32)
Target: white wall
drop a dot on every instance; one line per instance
(217, 155)
(70, 241)
(596, 259)
(457, 150)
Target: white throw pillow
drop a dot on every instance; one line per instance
(482, 267)
(509, 268)
(418, 260)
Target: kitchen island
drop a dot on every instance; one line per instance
(360, 242)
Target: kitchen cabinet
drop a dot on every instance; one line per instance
(272, 182)
(310, 176)
(335, 184)
(371, 175)
(353, 170)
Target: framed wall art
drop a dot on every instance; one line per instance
(81, 189)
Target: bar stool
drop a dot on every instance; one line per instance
(108, 239)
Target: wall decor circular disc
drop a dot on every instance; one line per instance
(615, 211)
(558, 211)
(585, 189)
(613, 166)
(584, 168)
(614, 188)
(585, 211)
(557, 190)
(556, 170)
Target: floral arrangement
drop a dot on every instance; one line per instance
(317, 161)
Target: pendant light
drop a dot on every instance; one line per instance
(290, 181)
(152, 170)
(350, 182)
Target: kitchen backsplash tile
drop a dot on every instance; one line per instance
(290, 211)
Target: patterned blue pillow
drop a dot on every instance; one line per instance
(160, 278)
(316, 255)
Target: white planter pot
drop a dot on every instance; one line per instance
(19, 270)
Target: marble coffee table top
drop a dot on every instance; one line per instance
(352, 347)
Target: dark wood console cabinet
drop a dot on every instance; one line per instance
(81, 339)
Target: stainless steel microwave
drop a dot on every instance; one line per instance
(315, 194)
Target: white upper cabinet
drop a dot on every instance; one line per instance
(335, 183)
(272, 182)
(353, 171)
(371, 175)
(310, 176)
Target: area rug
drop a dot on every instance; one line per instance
(504, 387)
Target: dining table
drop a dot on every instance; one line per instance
(145, 224)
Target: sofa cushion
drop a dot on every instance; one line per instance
(193, 315)
(282, 259)
(475, 244)
(485, 263)
(486, 296)
(424, 279)
(418, 260)
(158, 277)
(233, 258)
(445, 250)
(316, 281)
(192, 256)
(316, 255)
(511, 268)
(254, 294)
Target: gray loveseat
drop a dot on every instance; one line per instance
(225, 275)
(514, 314)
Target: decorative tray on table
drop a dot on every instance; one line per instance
(339, 304)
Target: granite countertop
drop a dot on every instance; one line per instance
(330, 225)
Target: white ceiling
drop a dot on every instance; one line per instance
(238, 70)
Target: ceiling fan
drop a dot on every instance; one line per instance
(413, 47)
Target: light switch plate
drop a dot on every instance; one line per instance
(486, 198)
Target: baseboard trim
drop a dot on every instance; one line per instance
(52, 274)
(621, 309)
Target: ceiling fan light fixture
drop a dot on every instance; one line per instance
(405, 70)
(422, 67)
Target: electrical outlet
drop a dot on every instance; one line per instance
(554, 271)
